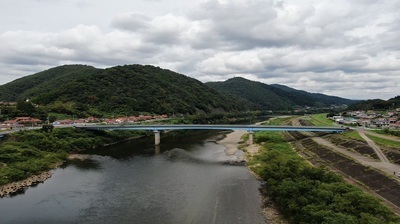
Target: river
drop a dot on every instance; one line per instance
(183, 181)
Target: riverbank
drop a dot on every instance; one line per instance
(36, 152)
(18, 186)
(232, 142)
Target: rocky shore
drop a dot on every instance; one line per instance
(17, 186)
(23, 184)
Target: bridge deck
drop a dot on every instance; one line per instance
(249, 128)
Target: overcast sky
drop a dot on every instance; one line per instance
(346, 48)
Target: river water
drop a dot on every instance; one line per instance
(185, 180)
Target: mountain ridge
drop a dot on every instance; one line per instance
(145, 88)
(270, 95)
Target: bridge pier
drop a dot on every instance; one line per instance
(157, 149)
(157, 140)
(251, 137)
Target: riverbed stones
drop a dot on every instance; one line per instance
(20, 185)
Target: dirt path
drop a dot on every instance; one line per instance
(372, 144)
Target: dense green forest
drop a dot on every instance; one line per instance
(274, 97)
(126, 89)
(376, 104)
(308, 194)
(82, 90)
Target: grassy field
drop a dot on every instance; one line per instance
(388, 132)
(353, 134)
(278, 121)
(384, 142)
(321, 120)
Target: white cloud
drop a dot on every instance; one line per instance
(344, 48)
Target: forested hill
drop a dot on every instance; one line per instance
(131, 89)
(274, 97)
(120, 89)
(44, 81)
(376, 104)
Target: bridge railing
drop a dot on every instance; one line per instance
(249, 128)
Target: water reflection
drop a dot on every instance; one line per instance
(83, 164)
(157, 149)
(127, 183)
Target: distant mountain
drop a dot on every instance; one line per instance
(376, 104)
(120, 89)
(317, 97)
(131, 89)
(274, 97)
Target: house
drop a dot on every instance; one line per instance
(395, 125)
(132, 119)
(380, 122)
(28, 120)
(11, 124)
(80, 121)
(392, 120)
(121, 120)
(63, 122)
(92, 120)
(337, 118)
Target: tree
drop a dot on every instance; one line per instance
(25, 108)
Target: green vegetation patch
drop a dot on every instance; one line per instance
(307, 194)
(279, 121)
(384, 142)
(387, 131)
(352, 134)
(26, 153)
(321, 120)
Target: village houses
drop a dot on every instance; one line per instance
(370, 119)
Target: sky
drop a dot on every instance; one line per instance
(343, 48)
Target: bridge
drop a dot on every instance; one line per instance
(249, 128)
